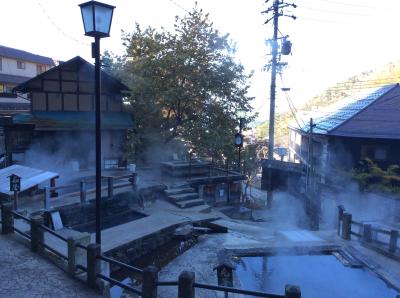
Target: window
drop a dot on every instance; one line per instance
(1, 88)
(8, 88)
(39, 69)
(20, 64)
(378, 153)
(110, 164)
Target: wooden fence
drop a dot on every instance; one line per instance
(86, 263)
(376, 237)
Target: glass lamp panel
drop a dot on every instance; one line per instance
(103, 17)
(238, 140)
(87, 15)
(241, 114)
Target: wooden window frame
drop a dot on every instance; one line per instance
(21, 64)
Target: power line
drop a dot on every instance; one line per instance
(338, 12)
(178, 5)
(348, 4)
(57, 27)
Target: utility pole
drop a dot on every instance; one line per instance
(310, 155)
(277, 5)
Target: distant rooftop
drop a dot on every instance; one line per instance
(371, 113)
(26, 56)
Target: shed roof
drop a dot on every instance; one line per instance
(370, 114)
(30, 177)
(23, 55)
(7, 78)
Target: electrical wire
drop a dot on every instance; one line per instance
(57, 27)
(178, 5)
(338, 12)
(348, 4)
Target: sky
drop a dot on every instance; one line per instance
(332, 39)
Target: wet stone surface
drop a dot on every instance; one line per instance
(25, 274)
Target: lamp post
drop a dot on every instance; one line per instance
(240, 114)
(97, 19)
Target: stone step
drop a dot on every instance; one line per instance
(184, 197)
(191, 203)
(177, 191)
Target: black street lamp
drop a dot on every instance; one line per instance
(240, 114)
(97, 19)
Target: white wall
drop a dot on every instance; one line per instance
(9, 66)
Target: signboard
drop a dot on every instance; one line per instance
(15, 183)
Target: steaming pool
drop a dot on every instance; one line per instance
(317, 275)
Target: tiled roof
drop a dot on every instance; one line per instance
(331, 119)
(75, 64)
(6, 78)
(23, 55)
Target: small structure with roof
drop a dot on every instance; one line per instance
(29, 178)
(59, 127)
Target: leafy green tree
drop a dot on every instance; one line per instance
(186, 85)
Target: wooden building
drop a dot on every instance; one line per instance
(61, 119)
(363, 126)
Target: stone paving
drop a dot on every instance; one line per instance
(26, 274)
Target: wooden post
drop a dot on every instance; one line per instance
(292, 291)
(340, 217)
(46, 203)
(71, 243)
(150, 279)
(15, 199)
(93, 264)
(53, 192)
(110, 181)
(346, 226)
(394, 235)
(83, 192)
(367, 233)
(37, 234)
(186, 285)
(7, 218)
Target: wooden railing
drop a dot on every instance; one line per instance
(83, 191)
(367, 233)
(93, 257)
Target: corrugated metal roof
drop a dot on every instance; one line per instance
(6, 78)
(331, 117)
(30, 177)
(26, 56)
(74, 120)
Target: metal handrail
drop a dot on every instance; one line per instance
(237, 291)
(356, 234)
(120, 264)
(26, 235)
(81, 246)
(118, 283)
(81, 267)
(353, 222)
(167, 283)
(21, 216)
(379, 230)
(53, 233)
(54, 251)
